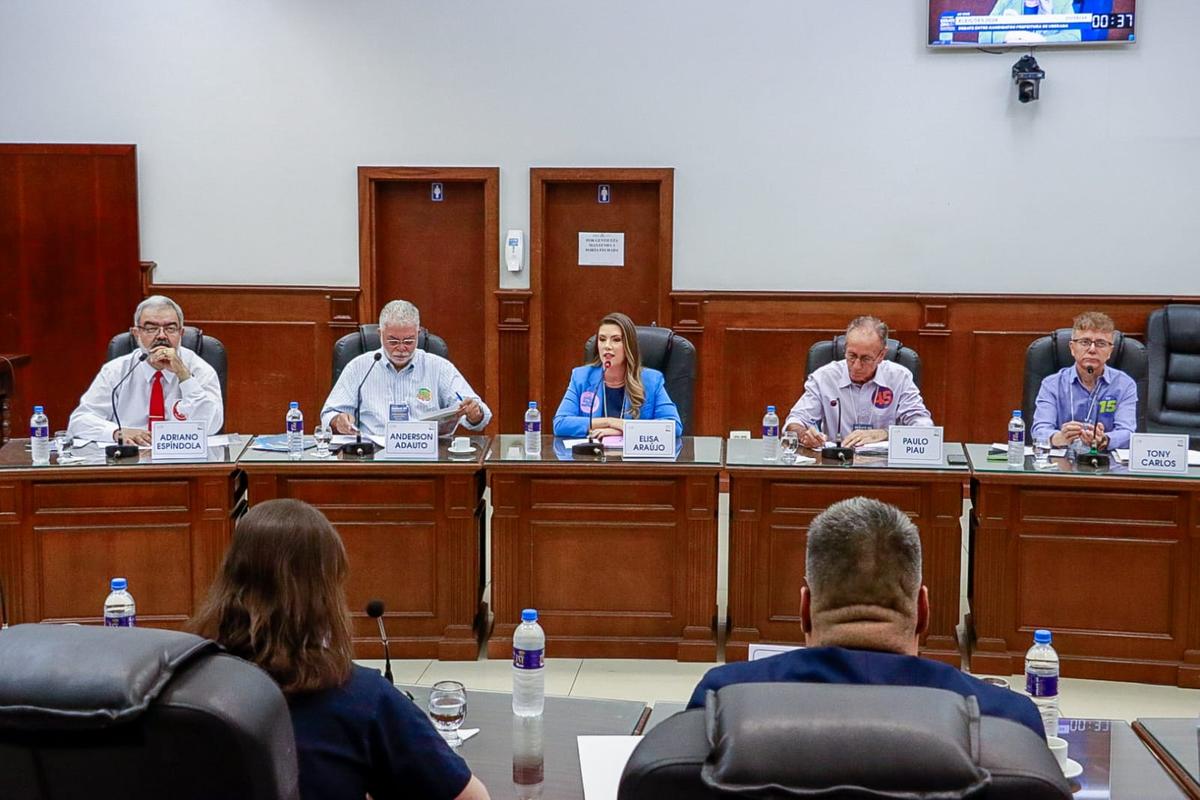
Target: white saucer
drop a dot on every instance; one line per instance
(460, 451)
(1073, 769)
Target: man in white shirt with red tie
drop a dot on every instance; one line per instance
(172, 383)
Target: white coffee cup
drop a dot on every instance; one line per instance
(1058, 746)
(461, 443)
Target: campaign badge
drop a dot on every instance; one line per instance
(424, 395)
(176, 413)
(882, 398)
(589, 398)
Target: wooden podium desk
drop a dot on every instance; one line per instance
(413, 532)
(771, 505)
(66, 530)
(1109, 562)
(619, 558)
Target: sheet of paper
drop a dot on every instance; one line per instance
(602, 759)
(1055, 452)
(873, 447)
(220, 440)
(438, 415)
(803, 460)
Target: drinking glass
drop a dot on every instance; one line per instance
(789, 443)
(322, 435)
(64, 442)
(1041, 452)
(448, 709)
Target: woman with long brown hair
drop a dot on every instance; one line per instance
(614, 387)
(279, 601)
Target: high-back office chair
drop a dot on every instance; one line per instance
(90, 712)
(1173, 400)
(1048, 354)
(806, 739)
(366, 339)
(827, 351)
(672, 355)
(207, 347)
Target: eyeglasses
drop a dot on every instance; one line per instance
(866, 361)
(405, 343)
(1088, 344)
(169, 329)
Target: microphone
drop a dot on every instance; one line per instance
(1093, 458)
(833, 451)
(590, 448)
(121, 450)
(375, 612)
(358, 448)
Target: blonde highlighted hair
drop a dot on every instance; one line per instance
(635, 391)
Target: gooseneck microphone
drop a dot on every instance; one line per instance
(833, 450)
(1093, 458)
(375, 612)
(358, 448)
(592, 448)
(121, 450)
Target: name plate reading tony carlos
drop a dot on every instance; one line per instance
(915, 445)
(179, 441)
(411, 440)
(1158, 453)
(650, 438)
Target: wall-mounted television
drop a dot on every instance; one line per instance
(1025, 23)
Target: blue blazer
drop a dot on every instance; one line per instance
(572, 418)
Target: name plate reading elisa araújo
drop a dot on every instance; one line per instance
(649, 438)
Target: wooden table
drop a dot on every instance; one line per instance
(1109, 562)
(771, 505)
(66, 530)
(618, 557)
(1176, 744)
(413, 532)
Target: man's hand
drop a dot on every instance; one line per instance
(168, 358)
(343, 423)
(811, 438)
(1093, 436)
(471, 409)
(858, 438)
(1069, 433)
(132, 436)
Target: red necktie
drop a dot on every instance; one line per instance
(158, 411)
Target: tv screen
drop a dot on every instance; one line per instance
(1021, 23)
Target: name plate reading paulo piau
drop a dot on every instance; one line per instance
(650, 438)
(178, 441)
(915, 445)
(1158, 453)
(411, 440)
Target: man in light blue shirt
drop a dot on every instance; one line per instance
(1088, 403)
(425, 381)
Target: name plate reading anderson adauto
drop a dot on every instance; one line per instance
(179, 441)
(411, 440)
(1158, 453)
(914, 445)
(649, 438)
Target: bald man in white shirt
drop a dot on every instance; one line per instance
(172, 383)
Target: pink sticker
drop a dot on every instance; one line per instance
(589, 398)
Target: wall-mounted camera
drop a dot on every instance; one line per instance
(1027, 75)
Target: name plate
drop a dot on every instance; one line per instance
(411, 440)
(650, 438)
(915, 445)
(1158, 453)
(179, 441)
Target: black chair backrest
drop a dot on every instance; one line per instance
(805, 740)
(207, 347)
(1173, 400)
(672, 355)
(827, 351)
(366, 339)
(138, 712)
(1048, 354)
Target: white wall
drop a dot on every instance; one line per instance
(817, 145)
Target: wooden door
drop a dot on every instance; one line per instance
(431, 235)
(570, 299)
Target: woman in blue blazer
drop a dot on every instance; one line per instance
(614, 387)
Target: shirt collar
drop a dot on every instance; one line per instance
(411, 365)
(877, 379)
(1105, 378)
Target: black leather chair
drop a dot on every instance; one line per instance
(820, 740)
(1049, 354)
(207, 347)
(827, 351)
(1173, 399)
(366, 339)
(672, 355)
(90, 712)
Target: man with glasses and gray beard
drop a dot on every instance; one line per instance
(172, 383)
(864, 393)
(863, 612)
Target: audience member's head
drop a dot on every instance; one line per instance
(279, 598)
(863, 575)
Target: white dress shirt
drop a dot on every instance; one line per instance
(427, 383)
(198, 399)
(891, 397)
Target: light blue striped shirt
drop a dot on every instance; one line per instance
(428, 382)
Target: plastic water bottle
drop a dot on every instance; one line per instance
(529, 761)
(529, 666)
(294, 422)
(770, 430)
(39, 436)
(119, 608)
(533, 430)
(1016, 440)
(1041, 679)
